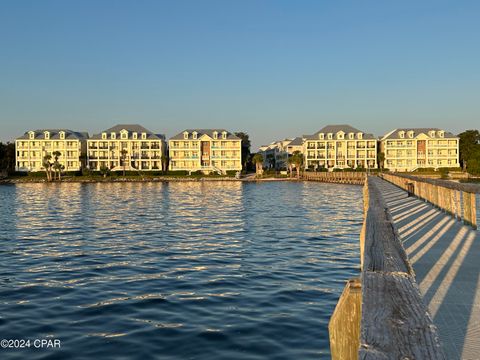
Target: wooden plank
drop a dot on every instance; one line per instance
(344, 325)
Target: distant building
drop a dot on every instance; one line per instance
(207, 150)
(143, 149)
(276, 154)
(34, 145)
(340, 146)
(410, 148)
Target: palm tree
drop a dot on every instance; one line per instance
(56, 165)
(47, 164)
(123, 158)
(258, 161)
(296, 160)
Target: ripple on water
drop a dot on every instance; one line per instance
(179, 270)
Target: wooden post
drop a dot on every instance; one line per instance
(344, 325)
(467, 211)
(473, 206)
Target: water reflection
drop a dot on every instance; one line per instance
(200, 270)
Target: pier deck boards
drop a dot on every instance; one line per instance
(445, 255)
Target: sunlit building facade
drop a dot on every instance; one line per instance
(129, 147)
(341, 147)
(34, 145)
(408, 149)
(207, 150)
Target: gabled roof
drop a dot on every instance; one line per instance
(200, 132)
(334, 129)
(55, 134)
(298, 141)
(395, 134)
(131, 128)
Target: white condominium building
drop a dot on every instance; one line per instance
(340, 146)
(411, 148)
(129, 147)
(34, 145)
(207, 150)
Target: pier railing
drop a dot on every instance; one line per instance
(382, 316)
(340, 177)
(457, 199)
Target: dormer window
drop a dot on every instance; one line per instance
(185, 135)
(124, 134)
(431, 133)
(144, 136)
(104, 136)
(113, 136)
(401, 134)
(329, 136)
(31, 135)
(62, 135)
(360, 135)
(215, 134)
(441, 134)
(351, 135)
(194, 135)
(47, 135)
(410, 134)
(340, 135)
(321, 136)
(135, 136)
(224, 135)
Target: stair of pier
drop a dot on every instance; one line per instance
(445, 255)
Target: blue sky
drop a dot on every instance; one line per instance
(274, 68)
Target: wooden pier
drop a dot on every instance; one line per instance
(420, 276)
(341, 177)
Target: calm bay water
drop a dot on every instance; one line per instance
(214, 270)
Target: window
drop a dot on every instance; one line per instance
(224, 135)
(194, 135)
(401, 134)
(330, 135)
(340, 135)
(104, 136)
(185, 135)
(62, 135)
(321, 136)
(31, 135)
(113, 136)
(144, 136)
(431, 133)
(124, 135)
(215, 135)
(441, 134)
(135, 136)
(47, 135)
(351, 135)
(360, 135)
(410, 134)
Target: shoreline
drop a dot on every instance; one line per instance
(138, 180)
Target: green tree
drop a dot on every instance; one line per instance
(245, 149)
(104, 170)
(258, 161)
(469, 147)
(7, 157)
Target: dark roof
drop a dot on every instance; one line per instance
(296, 142)
(334, 129)
(55, 134)
(200, 132)
(131, 128)
(417, 131)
